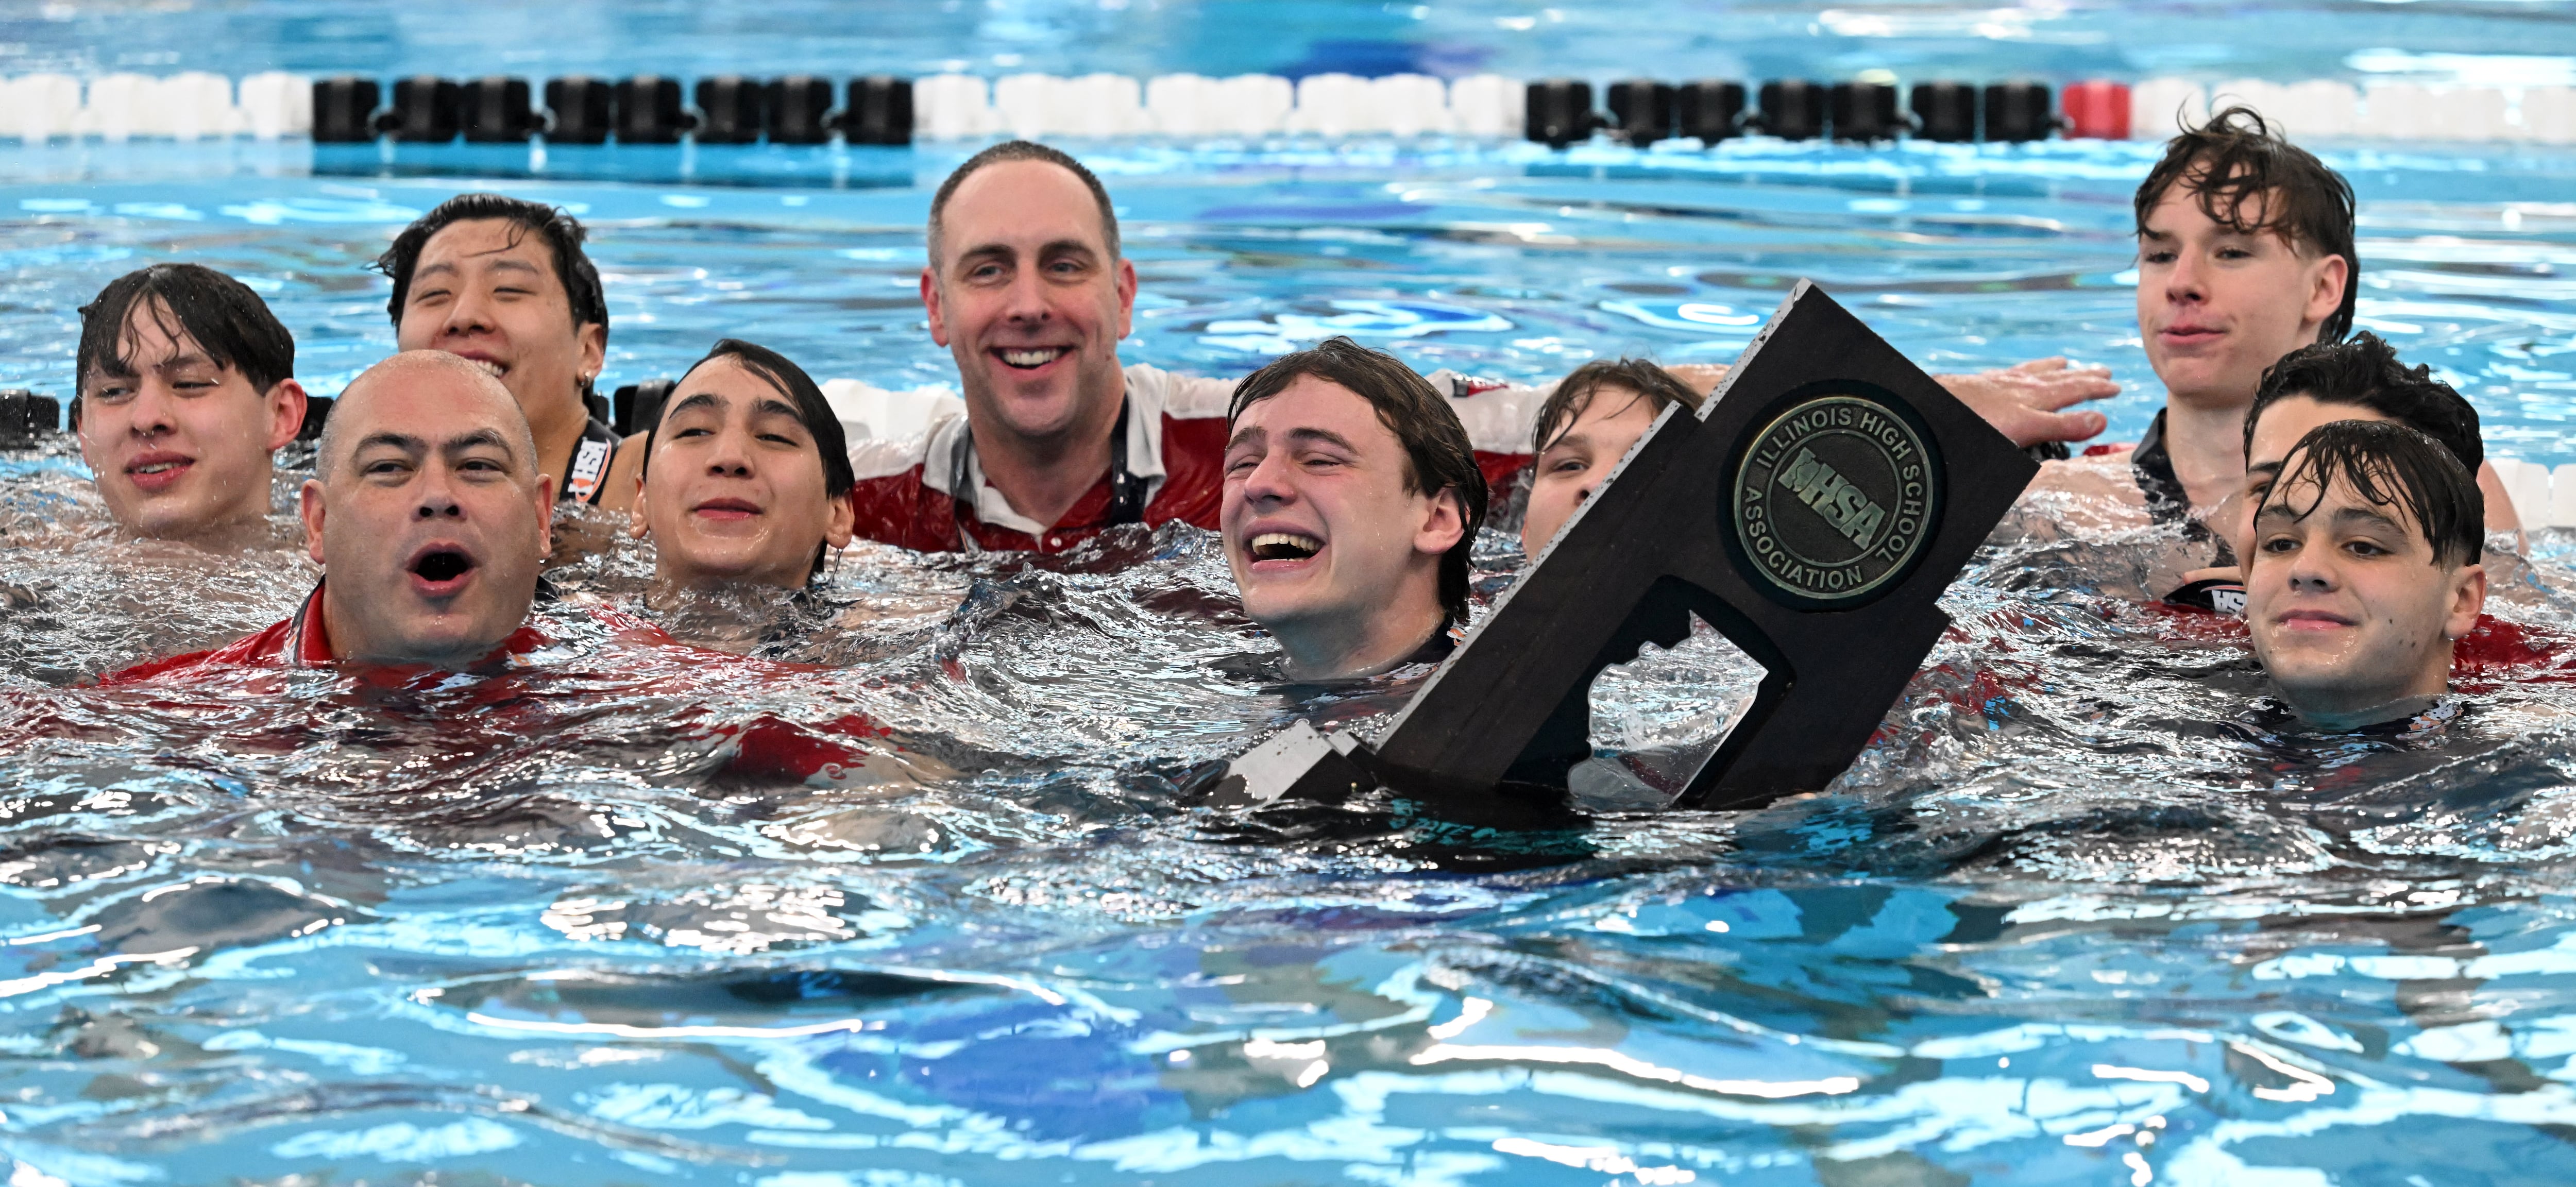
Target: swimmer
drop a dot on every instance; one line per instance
(754, 481)
(2364, 570)
(1027, 288)
(2361, 379)
(2245, 253)
(1589, 422)
(505, 283)
(1352, 499)
(187, 390)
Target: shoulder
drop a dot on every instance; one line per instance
(1179, 397)
(258, 650)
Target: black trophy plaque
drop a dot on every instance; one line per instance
(1813, 512)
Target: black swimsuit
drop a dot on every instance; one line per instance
(587, 477)
(2168, 503)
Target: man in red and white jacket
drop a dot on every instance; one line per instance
(1027, 289)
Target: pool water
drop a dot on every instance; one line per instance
(2076, 917)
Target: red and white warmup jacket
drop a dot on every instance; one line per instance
(907, 486)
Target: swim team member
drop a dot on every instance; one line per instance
(1589, 422)
(2364, 570)
(1351, 501)
(1027, 288)
(504, 282)
(186, 390)
(2245, 253)
(744, 478)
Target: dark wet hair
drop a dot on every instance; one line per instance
(2366, 373)
(1573, 394)
(225, 318)
(1021, 150)
(2388, 464)
(790, 381)
(1438, 455)
(562, 232)
(2235, 161)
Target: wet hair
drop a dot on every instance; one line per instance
(1438, 455)
(1021, 150)
(1574, 393)
(562, 232)
(2387, 464)
(222, 315)
(791, 381)
(2237, 161)
(2365, 373)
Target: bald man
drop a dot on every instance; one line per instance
(429, 518)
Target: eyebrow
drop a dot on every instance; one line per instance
(1325, 436)
(763, 406)
(2343, 517)
(407, 443)
(507, 263)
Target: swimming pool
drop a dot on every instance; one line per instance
(2055, 928)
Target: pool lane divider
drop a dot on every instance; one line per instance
(1813, 511)
(806, 109)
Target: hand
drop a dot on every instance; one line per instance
(1701, 377)
(2024, 402)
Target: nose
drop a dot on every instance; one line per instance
(153, 411)
(1025, 303)
(1268, 485)
(731, 457)
(437, 495)
(2310, 574)
(468, 313)
(2184, 282)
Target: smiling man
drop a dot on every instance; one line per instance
(1027, 288)
(505, 283)
(2364, 571)
(745, 478)
(1351, 501)
(187, 391)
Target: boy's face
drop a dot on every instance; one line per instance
(486, 289)
(2347, 606)
(2216, 306)
(736, 491)
(1317, 518)
(1580, 458)
(181, 445)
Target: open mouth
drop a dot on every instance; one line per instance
(441, 570)
(1284, 546)
(491, 367)
(1028, 358)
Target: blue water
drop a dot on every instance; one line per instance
(2055, 927)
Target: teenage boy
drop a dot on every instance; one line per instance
(1588, 423)
(186, 390)
(2245, 253)
(1028, 290)
(505, 283)
(1351, 501)
(745, 478)
(2364, 570)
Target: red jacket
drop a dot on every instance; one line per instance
(1175, 442)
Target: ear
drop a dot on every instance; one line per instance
(545, 496)
(637, 525)
(594, 348)
(1126, 296)
(2468, 600)
(81, 426)
(308, 507)
(844, 521)
(2333, 273)
(286, 404)
(1443, 524)
(930, 301)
